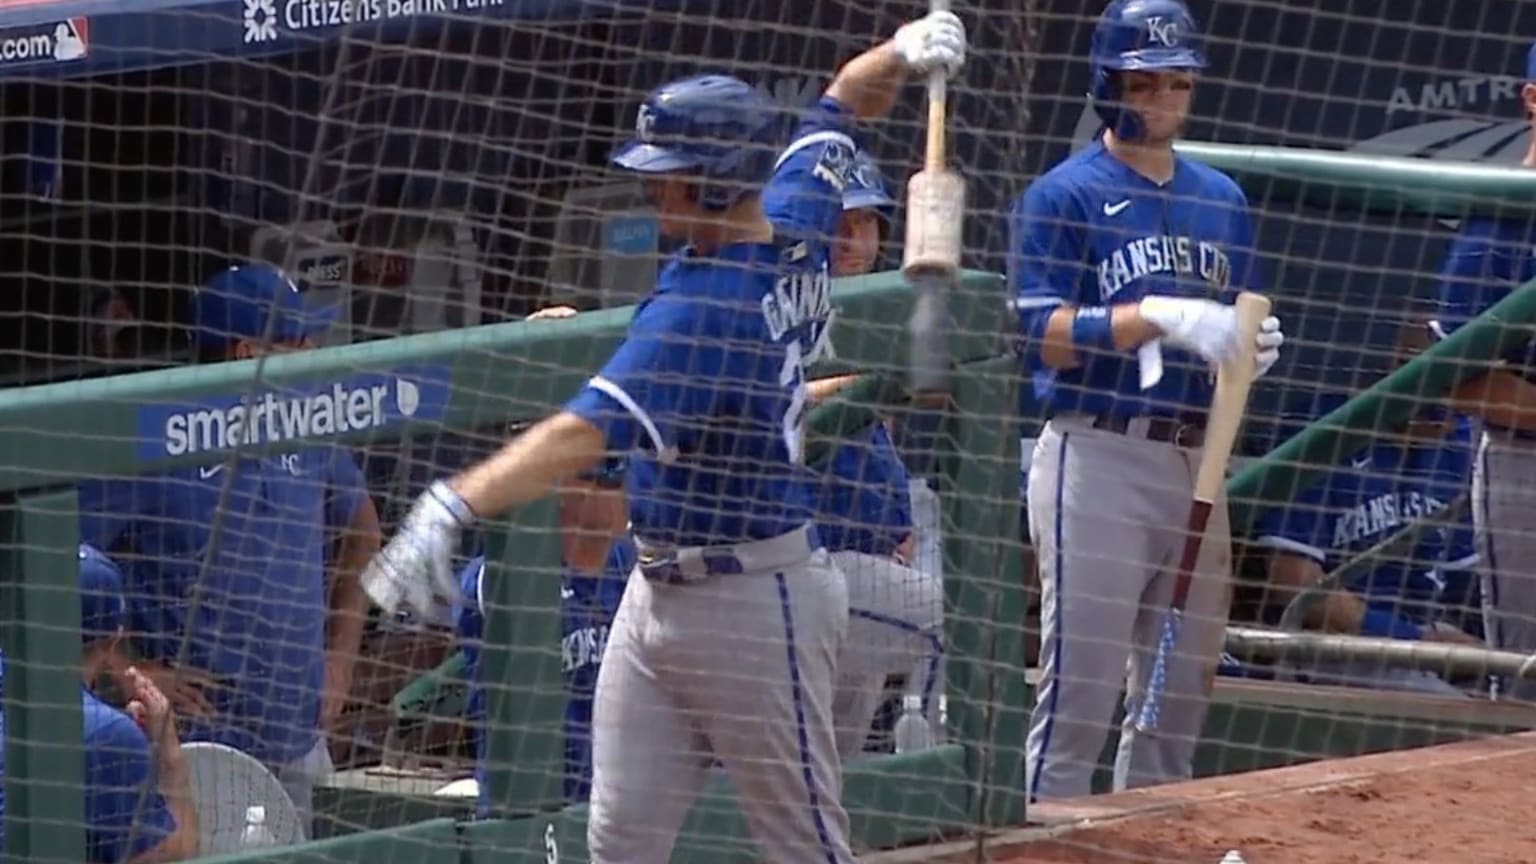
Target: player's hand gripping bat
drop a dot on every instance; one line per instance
(931, 256)
(1234, 379)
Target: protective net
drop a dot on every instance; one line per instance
(430, 166)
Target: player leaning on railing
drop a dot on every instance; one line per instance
(1490, 258)
(725, 642)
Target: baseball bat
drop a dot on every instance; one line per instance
(931, 254)
(1234, 380)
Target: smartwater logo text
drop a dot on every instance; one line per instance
(322, 410)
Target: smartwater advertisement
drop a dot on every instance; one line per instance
(265, 414)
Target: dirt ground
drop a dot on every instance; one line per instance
(1466, 803)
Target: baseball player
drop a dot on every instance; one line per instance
(1488, 259)
(1370, 496)
(234, 614)
(1124, 261)
(725, 642)
(864, 515)
(596, 568)
(866, 218)
(138, 797)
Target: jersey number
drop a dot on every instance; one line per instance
(792, 375)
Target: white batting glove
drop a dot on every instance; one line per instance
(934, 41)
(1205, 327)
(415, 570)
(1268, 342)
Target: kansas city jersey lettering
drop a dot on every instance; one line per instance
(1182, 257)
(800, 298)
(1381, 514)
(582, 648)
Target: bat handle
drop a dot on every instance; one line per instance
(938, 98)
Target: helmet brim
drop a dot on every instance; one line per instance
(1156, 59)
(868, 201)
(653, 159)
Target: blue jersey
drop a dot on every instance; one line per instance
(238, 583)
(1382, 491)
(1092, 232)
(1488, 260)
(125, 813)
(587, 606)
(708, 387)
(865, 501)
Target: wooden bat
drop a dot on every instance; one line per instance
(935, 195)
(1234, 380)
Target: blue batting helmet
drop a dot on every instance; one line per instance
(714, 127)
(1137, 35)
(866, 187)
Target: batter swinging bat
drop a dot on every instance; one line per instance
(1233, 381)
(931, 256)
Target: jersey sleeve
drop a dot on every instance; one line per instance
(662, 377)
(125, 818)
(1046, 261)
(1468, 279)
(1297, 527)
(346, 488)
(805, 195)
(1247, 274)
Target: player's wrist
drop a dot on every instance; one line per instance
(1093, 329)
(452, 502)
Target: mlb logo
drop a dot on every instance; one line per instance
(71, 39)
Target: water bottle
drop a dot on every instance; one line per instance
(911, 732)
(256, 834)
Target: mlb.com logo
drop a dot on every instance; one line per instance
(356, 403)
(58, 42)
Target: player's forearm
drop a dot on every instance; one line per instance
(822, 389)
(531, 465)
(869, 84)
(1340, 612)
(176, 787)
(1059, 349)
(1501, 398)
(1289, 575)
(348, 601)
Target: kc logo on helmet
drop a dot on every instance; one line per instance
(645, 124)
(1162, 31)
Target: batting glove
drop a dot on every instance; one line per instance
(1268, 342)
(415, 571)
(935, 41)
(1205, 327)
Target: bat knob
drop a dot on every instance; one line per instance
(935, 217)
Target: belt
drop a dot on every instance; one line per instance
(673, 565)
(1185, 430)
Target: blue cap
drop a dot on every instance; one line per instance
(235, 305)
(103, 609)
(1530, 64)
(866, 187)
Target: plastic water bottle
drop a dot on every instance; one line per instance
(256, 834)
(911, 732)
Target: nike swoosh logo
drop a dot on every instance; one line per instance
(1362, 462)
(1112, 209)
(208, 471)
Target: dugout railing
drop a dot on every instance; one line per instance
(55, 434)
